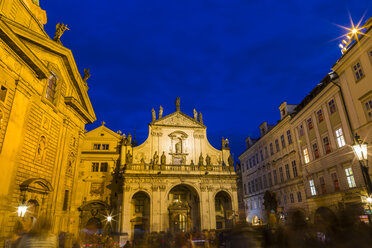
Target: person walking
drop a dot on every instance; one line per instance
(40, 235)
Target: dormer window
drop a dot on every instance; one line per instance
(51, 89)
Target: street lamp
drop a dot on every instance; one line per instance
(21, 210)
(360, 150)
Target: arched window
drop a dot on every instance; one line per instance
(51, 89)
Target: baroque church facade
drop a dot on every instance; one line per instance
(175, 181)
(44, 107)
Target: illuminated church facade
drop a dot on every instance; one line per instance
(175, 181)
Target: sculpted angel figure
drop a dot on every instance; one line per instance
(86, 74)
(160, 112)
(60, 29)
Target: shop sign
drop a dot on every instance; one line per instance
(364, 218)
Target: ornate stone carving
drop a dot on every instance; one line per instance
(127, 188)
(178, 104)
(160, 112)
(200, 118)
(208, 160)
(60, 29)
(40, 149)
(163, 159)
(156, 158)
(129, 158)
(86, 75)
(230, 160)
(153, 114)
(201, 160)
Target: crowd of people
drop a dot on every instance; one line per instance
(342, 231)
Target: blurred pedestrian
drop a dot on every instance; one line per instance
(40, 235)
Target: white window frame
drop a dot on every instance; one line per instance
(350, 177)
(340, 137)
(312, 187)
(306, 155)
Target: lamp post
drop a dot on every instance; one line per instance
(360, 150)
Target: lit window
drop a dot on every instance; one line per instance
(335, 181)
(312, 187)
(51, 89)
(358, 72)
(289, 137)
(294, 168)
(104, 167)
(306, 156)
(327, 146)
(322, 185)
(95, 167)
(291, 197)
(315, 151)
(368, 109)
(299, 197)
(332, 106)
(282, 140)
(320, 116)
(288, 174)
(96, 146)
(105, 146)
(350, 177)
(340, 137)
(310, 123)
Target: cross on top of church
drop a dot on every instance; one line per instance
(103, 123)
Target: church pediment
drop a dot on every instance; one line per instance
(178, 119)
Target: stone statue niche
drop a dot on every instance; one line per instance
(178, 147)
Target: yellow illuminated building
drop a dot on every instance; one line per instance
(44, 107)
(174, 181)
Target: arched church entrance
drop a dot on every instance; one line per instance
(140, 215)
(93, 220)
(184, 209)
(223, 210)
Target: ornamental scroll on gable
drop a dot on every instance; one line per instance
(178, 119)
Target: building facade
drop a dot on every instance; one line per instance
(271, 163)
(44, 107)
(174, 181)
(323, 128)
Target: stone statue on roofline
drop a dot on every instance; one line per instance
(153, 115)
(156, 158)
(60, 29)
(178, 104)
(129, 158)
(201, 160)
(195, 115)
(160, 112)
(208, 160)
(163, 159)
(200, 118)
(86, 75)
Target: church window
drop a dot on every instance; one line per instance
(139, 205)
(51, 89)
(105, 146)
(96, 146)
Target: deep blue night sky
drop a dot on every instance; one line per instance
(235, 61)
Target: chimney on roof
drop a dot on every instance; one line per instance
(286, 109)
(263, 128)
(249, 142)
